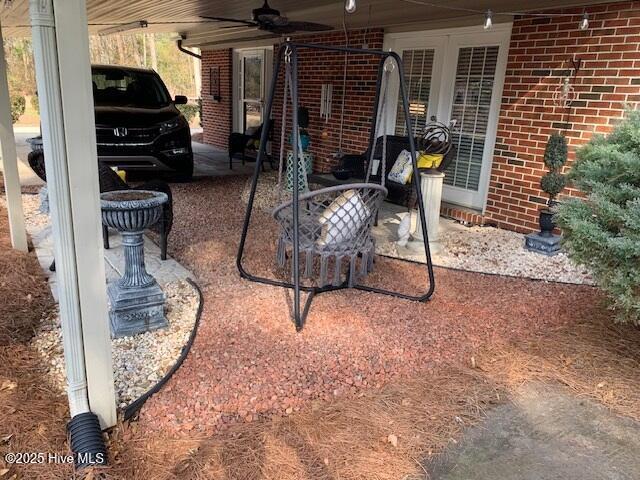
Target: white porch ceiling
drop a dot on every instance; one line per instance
(184, 16)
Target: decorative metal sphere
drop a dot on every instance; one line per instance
(436, 138)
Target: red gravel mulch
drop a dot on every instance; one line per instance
(248, 362)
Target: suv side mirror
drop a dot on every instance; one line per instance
(180, 100)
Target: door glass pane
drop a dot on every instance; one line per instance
(253, 77)
(252, 115)
(418, 66)
(472, 94)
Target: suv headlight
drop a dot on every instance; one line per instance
(171, 125)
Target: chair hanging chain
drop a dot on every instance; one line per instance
(381, 118)
(288, 90)
(283, 129)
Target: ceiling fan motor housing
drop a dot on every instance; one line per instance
(264, 10)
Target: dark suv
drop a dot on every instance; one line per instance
(138, 127)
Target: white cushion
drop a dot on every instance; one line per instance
(402, 168)
(342, 219)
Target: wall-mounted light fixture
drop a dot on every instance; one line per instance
(350, 6)
(584, 23)
(488, 20)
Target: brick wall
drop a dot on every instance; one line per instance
(217, 117)
(540, 55)
(316, 68)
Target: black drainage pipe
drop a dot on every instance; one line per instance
(135, 406)
(188, 52)
(87, 444)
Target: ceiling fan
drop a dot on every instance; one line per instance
(270, 20)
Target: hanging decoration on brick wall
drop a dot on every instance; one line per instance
(214, 83)
(564, 94)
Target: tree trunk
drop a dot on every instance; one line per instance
(197, 76)
(121, 54)
(144, 49)
(152, 52)
(136, 51)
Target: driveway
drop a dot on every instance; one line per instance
(27, 177)
(209, 161)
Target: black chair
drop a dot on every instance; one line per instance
(240, 143)
(357, 163)
(111, 181)
(398, 193)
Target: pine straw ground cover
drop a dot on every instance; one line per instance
(32, 416)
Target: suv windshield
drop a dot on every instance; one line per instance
(132, 88)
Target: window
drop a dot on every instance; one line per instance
(418, 66)
(473, 88)
(122, 87)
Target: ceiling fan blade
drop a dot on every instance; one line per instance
(279, 29)
(237, 26)
(276, 20)
(233, 20)
(309, 26)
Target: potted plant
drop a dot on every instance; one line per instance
(553, 182)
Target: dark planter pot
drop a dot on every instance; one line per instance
(546, 222)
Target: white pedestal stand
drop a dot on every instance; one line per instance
(431, 187)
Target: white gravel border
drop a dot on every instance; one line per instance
(476, 249)
(140, 361)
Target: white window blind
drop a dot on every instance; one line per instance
(418, 66)
(473, 89)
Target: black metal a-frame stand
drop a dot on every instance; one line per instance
(288, 52)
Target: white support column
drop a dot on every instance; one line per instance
(82, 159)
(10, 161)
(68, 133)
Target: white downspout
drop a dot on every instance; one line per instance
(74, 206)
(10, 161)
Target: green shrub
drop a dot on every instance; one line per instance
(555, 156)
(18, 104)
(602, 231)
(189, 111)
(35, 104)
(553, 183)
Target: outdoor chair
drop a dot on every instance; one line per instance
(400, 194)
(240, 143)
(357, 163)
(111, 181)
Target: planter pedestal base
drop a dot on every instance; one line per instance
(431, 187)
(545, 244)
(136, 310)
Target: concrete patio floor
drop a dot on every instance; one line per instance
(545, 434)
(209, 161)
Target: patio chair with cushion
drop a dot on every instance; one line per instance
(400, 194)
(110, 181)
(240, 143)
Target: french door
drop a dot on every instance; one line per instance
(455, 77)
(251, 69)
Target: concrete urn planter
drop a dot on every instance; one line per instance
(137, 301)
